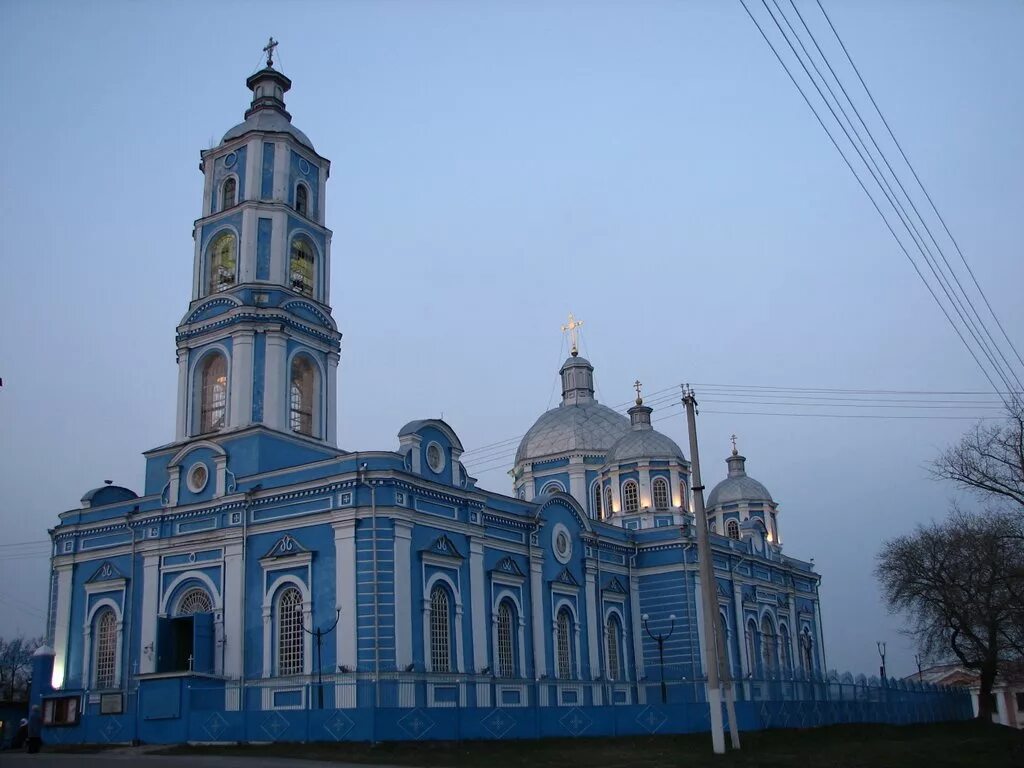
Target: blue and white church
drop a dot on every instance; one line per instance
(263, 570)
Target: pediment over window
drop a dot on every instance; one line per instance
(615, 586)
(444, 547)
(106, 572)
(509, 567)
(565, 577)
(286, 546)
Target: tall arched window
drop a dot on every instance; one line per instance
(614, 642)
(752, 647)
(290, 641)
(564, 642)
(105, 655)
(302, 200)
(596, 496)
(227, 194)
(608, 501)
(196, 600)
(506, 639)
(682, 495)
(223, 261)
(732, 529)
(440, 630)
(300, 270)
(659, 489)
(768, 647)
(630, 497)
(213, 393)
(785, 665)
(301, 391)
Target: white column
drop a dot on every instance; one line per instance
(234, 611)
(537, 611)
(331, 399)
(241, 379)
(673, 483)
(278, 247)
(274, 381)
(150, 608)
(62, 625)
(282, 160)
(346, 639)
(181, 422)
(247, 247)
(477, 605)
(616, 493)
(593, 626)
(528, 484)
(403, 594)
(250, 187)
(578, 481)
(637, 629)
(645, 489)
(741, 628)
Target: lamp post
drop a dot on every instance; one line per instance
(660, 640)
(319, 633)
(881, 653)
(917, 660)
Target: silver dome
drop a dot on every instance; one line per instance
(738, 486)
(589, 427)
(269, 121)
(643, 444)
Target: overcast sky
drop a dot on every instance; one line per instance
(646, 165)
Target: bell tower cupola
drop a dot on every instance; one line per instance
(258, 344)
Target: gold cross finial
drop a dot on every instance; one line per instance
(570, 328)
(734, 451)
(637, 385)
(269, 50)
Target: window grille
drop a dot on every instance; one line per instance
(194, 601)
(301, 267)
(214, 394)
(784, 663)
(228, 194)
(506, 657)
(807, 651)
(301, 400)
(223, 260)
(733, 529)
(660, 489)
(564, 651)
(440, 631)
(598, 512)
(106, 648)
(630, 496)
(752, 646)
(608, 501)
(290, 640)
(302, 200)
(613, 648)
(767, 646)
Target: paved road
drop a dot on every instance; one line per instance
(133, 757)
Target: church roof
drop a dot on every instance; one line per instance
(738, 486)
(644, 444)
(269, 122)
(588, 427)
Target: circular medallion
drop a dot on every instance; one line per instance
(197, 477)
(230, 159)
(561, 543)
(303, 167)
(435, 457)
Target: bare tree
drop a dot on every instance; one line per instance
(16, 665)
(989, 461)
(961, 581)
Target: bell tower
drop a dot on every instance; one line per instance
(258, 344)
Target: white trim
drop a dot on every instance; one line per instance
(557, 604)
(194, 414)
(206, 244)
(270, 599)
(402, 533)
(181, 578)
(88, 663)
(428, 586)
(220, 208)
(317, 394)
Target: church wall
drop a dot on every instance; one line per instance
(224, 167)
(375, 585)
(306, 170)
(661, 595)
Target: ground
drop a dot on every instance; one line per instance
(947, 745)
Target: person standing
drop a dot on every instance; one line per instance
(35, 730)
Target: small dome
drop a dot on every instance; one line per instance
(643, 444)
(590, 427)
(270, 122)
(738, 486)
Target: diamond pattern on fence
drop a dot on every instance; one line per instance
(274, 725)
(339, 725)
(498, 723)
(416, 723)
(215, 725)
(575, 721)
(111, 728)
(651, 719)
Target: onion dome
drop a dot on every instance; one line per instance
(642, 441)
(738, 486)
(578, 424)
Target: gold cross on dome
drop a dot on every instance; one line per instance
(269, 50)
(571, 329)
(636, 386)
(733, 438)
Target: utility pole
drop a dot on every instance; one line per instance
(712, 642)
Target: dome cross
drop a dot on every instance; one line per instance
(637, 385)
(269, 50)
(733, 438)
(571, 328)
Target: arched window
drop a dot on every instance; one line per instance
(785, 665)
(596, 496)
(506, 639)
(300, 269)
(301, 390)
(223, 260)
(227, 194)
(807, 652)
(105, 655)
(302, 200)
(614, 648)
(630, 496)
(290, 641)
(682, 495)
(440, 630)
(196, 600)
(768, 660)
(659, 489)
(564, 642)
(552, 487)
(213, 393)
(751, 647)
(732, 529)
(608, 501)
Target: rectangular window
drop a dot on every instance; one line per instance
(62, 711)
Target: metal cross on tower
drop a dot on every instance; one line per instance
(637, 385)
(733, 438)
(269, 50)
(570, 328)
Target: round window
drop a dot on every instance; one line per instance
(561, 543)
(230, 159)
(197, 477)
(435, 457)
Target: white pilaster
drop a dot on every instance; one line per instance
(62, 625)
(578, 481)
(274, 411)
(240, 400)
(181, 422)
(234, 620)
(477, 605)
(645, 489)
(741, 629)
(250, 187)
(150, 607)
(247, 247)
(593, 625)
(673, 487)
(282, 159)
(537, 614)
(346, 640)
(403, 594)
(636, 628)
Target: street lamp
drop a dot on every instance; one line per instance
(660, 640)
(319, 633)
(881, 652)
